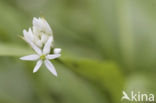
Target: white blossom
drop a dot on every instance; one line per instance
(40, 26)
(43, 56)
(40, 38)
(39, 33)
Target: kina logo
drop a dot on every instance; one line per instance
(137, 96)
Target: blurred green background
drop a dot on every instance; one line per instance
(107, 46)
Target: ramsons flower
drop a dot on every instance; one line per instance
(39, 33)
(40, 38)
(40, 26)
(43, 56)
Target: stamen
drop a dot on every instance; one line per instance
(42, 57)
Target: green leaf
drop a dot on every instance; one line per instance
(106, 75)
(14, 50)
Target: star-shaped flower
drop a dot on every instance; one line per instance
(43, 56)
(40, 38)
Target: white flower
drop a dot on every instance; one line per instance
(39, 33)
(41, 29)
(41, 40)
(40, 25)
(43, 56)
(29, 36)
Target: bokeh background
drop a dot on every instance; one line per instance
(107, 46)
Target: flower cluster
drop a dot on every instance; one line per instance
(40, 38)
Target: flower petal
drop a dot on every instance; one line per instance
(46, 26)
(32, 57)
(39, 43)
(38, 65)
(57, 50)
(53, 56)
(50, 67)
(44, 38)
(36, 49)
(28, 35)
(35, 21)
(47, 46)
